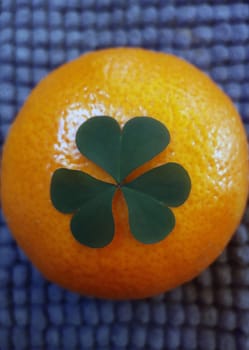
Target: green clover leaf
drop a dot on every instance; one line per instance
(119, 152)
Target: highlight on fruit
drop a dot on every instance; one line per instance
(149, 197)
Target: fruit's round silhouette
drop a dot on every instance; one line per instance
(207, 139)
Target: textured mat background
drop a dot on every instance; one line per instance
(211, 312)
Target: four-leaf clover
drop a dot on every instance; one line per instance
(120, 151)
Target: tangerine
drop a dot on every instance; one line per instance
(207, 139)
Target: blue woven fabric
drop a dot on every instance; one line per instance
(209, 313)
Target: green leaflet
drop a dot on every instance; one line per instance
(70, 189)
(119, 152)
(150, 221)
(168, 183)
(93, 224)
(73, 190)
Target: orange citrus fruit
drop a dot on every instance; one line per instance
(207, 139)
